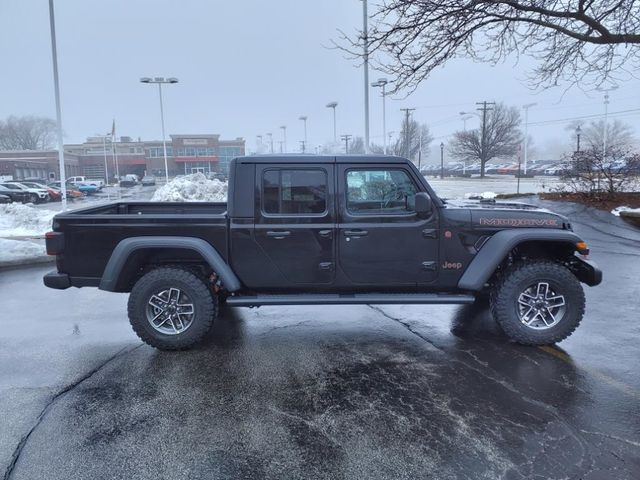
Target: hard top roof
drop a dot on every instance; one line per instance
(310, 158)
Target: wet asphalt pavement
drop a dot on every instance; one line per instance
(323, 392)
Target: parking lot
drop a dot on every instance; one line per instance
(323, 392)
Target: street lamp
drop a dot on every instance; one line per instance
(304, 119)
(259, 143)
(333, 105)
(526, 136)
(160, 81)
(382, 82)
(441, 160)
(284, 134)
(578, 131)
(606, 119)
(465, 116)
(56, 89)
(270, 135)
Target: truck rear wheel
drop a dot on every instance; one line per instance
(538, 303)
(171, 308)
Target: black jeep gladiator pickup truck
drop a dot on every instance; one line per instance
(301, 230)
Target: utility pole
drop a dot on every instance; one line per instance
(259, 143)
(441, 160)
(483, 141)
(284, 134)
(526, 135)
(407, 113)
(578, 131)
(346, 139)
(365, 41)
(304, 119)
(302, 145)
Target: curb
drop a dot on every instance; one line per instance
(27, 262)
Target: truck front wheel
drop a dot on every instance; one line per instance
(171, 308)
(538, 303)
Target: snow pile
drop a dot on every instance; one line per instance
(17, 219)
(19, 251)
(192, 188)
(616, 211)
(483, 195)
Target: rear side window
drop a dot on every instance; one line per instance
(294, 192)
(380, 192)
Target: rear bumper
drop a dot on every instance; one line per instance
(56, 280)
(587, 272)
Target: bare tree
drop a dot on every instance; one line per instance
(357, 146)
(593, 171)
(27, 133)
(575, 41)
(500, 137)
(418, 135)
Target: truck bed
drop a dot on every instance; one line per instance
(92, 233)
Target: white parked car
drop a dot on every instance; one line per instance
(79, 180)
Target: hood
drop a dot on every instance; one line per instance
(491, 214)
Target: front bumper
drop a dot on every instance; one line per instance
(59, 281)
(587, 271)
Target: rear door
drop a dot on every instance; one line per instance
(295, 223)
(381, 240)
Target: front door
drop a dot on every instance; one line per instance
(295, 223)
(381, 240)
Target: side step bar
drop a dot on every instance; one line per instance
(350, 299)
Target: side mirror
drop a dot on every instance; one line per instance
(424, 205)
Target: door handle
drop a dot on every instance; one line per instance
(430, 233)
(278, 235)
(355, 233)
(325, 233)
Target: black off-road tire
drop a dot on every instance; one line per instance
(203, 300)
(511, 283)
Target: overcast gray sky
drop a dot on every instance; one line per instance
(245, 68)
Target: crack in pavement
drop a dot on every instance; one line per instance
(23, 441)
(550, 409)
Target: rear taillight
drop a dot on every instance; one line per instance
(55, 243)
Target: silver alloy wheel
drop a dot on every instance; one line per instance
(170, 311)
(540, 307)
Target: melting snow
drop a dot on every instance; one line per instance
(616, 211)
(487, 195)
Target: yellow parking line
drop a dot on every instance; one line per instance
(617, 384)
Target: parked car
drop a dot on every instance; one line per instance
(16, 195)
(148, 180)
(81, 180)
(54, 194)
(304, 230)
(35, 195)
(5, 199)
(72, 190)
(129, 180)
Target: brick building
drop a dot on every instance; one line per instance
(205, 153)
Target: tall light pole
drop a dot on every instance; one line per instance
(333, 105)
(284, 136)
(56, 89)
(104, 149)
(259, 143)
(578, 131)
(526, 135)
(441, 160)
(270, 135)
(606, 119)
(365, 44)
(304, 119)
(382, 82)
(464, 116)
(160, 81)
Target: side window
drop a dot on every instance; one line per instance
(380, 192)
(291, 192)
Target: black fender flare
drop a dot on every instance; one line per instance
(494, 251)
(126, 247)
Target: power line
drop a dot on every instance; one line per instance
(596, 115)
